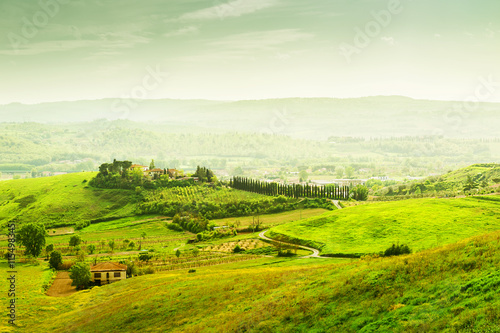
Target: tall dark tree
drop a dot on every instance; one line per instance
(80, 274)
(32, 237)
(55, 259)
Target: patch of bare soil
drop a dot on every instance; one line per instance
(62, 286)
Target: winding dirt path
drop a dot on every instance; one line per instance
(336, 203)
(61, 286)
(315, 252)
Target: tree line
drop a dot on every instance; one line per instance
(290, 190)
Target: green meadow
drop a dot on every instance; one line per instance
(420, 223)
(132, 227)
(453, 288)
(449, 284)
(61, 200)
(273, 219)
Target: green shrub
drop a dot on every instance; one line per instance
(82, 224)
(396, 250)
(174, 227)
(131, 268)
(145, 257)
(149, 270)
(75, 240)
(55, 260)
(285, 253)
(80, 274)
(91, 248)
(359, 193)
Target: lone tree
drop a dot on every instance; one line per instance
(80, 274)
(359, 193)
(48, 249)
(32, 237)
(143, 235)
(55, 259)
(112, 245)
(145, 257)
(91, 248)
(75, 240)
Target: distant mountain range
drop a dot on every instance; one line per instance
(311, 118)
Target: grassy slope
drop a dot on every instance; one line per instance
(126, 228)
(455, 180)
(459, 176)
(442, 290)
(273, 219)
(422, 224)
(60, 200)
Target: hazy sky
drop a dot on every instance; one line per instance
(52, 50)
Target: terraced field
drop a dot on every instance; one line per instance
(246, 244)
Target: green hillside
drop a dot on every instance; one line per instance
(451, 289)
(67, 199)
(485, 177)
(61, 200)
(478, 172)
(421, 223)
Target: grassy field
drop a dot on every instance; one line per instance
(131, 227)
(60, 200)
(454, 288)
(273, 219)
(451, 283)
(422, 224)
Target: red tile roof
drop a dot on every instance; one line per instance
(108, 266)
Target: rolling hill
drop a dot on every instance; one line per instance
(453, 288)
(485, 176)
(372, 228)
(61, 200)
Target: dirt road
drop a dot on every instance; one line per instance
(315, 253)
(61, 286)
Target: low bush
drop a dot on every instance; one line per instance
(285, 253)
(397, 250)
(149, 270)
(82, 224)
(174, 227)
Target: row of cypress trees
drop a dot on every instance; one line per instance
(290, 190)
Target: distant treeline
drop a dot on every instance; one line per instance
(424, 138)
(290, 190)
(35, 148)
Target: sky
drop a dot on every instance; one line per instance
(58, 50)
